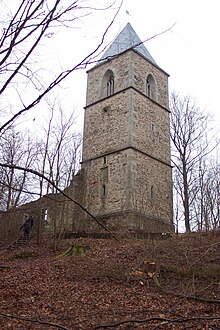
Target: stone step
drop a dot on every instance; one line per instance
(21, 241)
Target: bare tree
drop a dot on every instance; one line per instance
(25, 25)
(15, 148)
(205, 203)
(26, 30)
(60, 149)
(213, 195)
(190, 144)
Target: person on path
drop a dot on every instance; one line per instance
(27, 227)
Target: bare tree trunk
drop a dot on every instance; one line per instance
(10, 185)
(189, 130)
(186, 199)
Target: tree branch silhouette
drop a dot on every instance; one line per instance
(27, 319)
(60, 77)
(164, 321)
(60, 191)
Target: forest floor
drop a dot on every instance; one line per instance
(109, 284)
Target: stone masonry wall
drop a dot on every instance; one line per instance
(141, 69)
(53, 213)
(121, 67)
(130, 69)
(151, 187)
(127, 117)
(114, 176)
(107, 130)
(150, 128)
(126, 146)
(131, 175)
(144, 126)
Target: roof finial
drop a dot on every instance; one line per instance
(129, 15)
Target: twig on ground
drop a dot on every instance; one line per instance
(161, 319)
(201, 299)
(26, 319)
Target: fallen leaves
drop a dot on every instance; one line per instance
(83, 290)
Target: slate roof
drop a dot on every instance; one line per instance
(126, 39)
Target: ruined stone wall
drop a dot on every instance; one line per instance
(12, 220)
(10, 223)
(53, 213)
(74, 215)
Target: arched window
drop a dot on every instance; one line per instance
(151, 87)
(108, 84)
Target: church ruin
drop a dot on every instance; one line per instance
(125, 179)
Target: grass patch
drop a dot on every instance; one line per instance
(77, 250)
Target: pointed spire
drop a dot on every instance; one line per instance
(127, 39)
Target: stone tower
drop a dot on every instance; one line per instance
(126, 144)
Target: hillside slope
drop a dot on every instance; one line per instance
(108, 284)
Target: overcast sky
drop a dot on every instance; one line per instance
(189, 52)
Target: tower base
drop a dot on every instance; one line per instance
(131, 221)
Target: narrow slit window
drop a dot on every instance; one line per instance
(153, 128)
(152, 192)
(44, 214)
(103, 191)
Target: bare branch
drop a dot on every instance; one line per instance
(33, 321)
(63, 75)
(60, 191)
(160, 319)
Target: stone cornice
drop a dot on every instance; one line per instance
(123, 149)
(123, 90)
